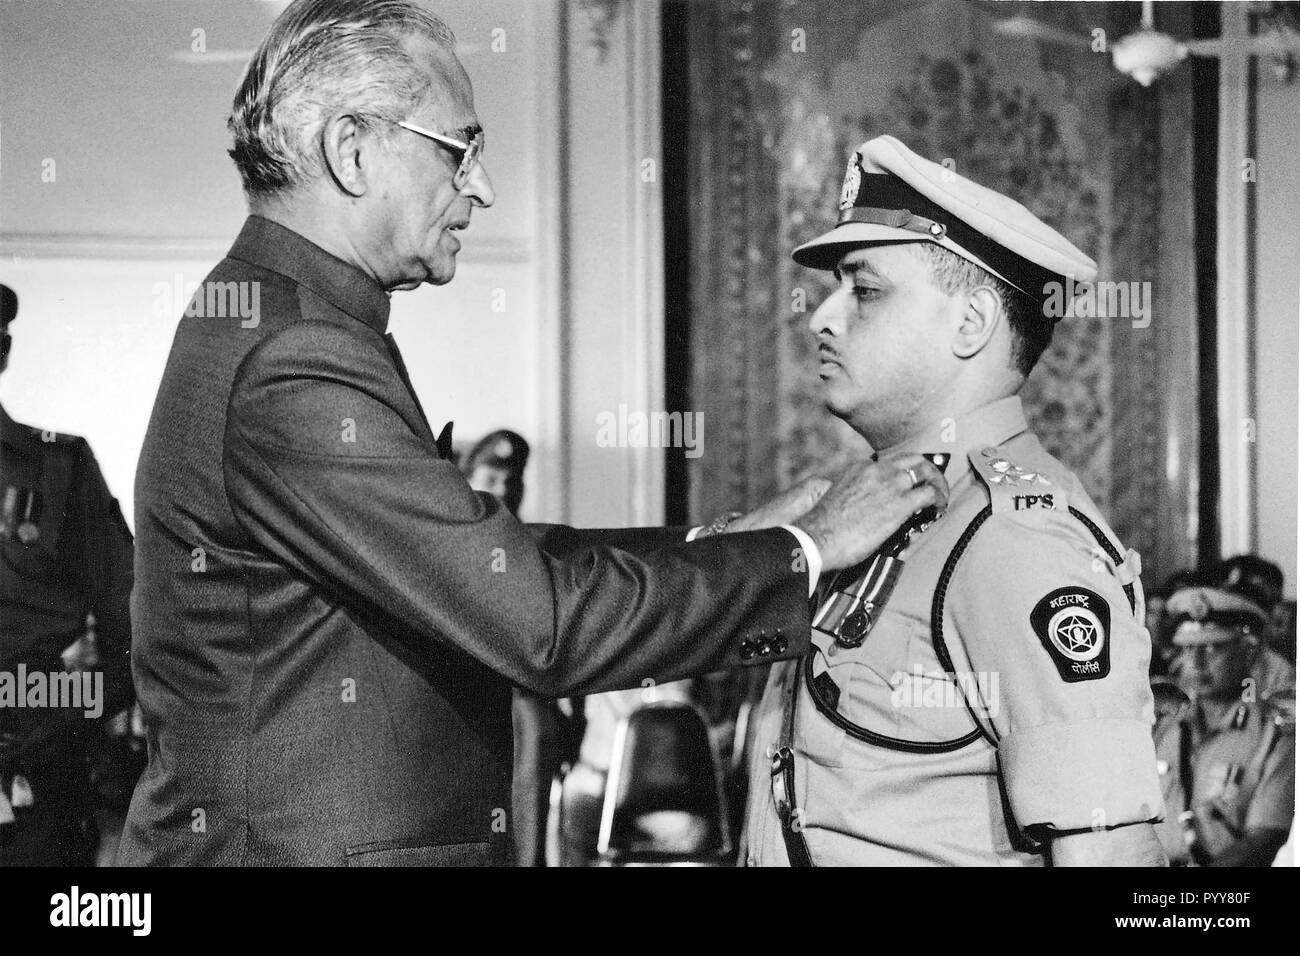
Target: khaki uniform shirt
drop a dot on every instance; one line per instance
(1044, 723)
(1240, 765)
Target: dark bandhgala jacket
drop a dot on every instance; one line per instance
(328, 621)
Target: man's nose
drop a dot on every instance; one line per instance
(827, 316)
(479, 186)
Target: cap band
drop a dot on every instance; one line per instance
(1227, 619)
(885, 199)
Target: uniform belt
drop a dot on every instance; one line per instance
(783, 783)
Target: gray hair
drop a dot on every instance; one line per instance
(323, 57)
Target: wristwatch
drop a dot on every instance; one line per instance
(717, 525)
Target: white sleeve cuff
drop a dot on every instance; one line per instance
(810, 552)
(691, 535)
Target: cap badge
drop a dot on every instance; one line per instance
(852, 183)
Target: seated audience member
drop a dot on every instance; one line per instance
(1162, 649)
(1226, 748)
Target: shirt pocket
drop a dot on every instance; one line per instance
(893, 698)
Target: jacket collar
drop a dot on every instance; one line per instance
(272, 246)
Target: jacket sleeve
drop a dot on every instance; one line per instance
(326, 471)
(560, 540)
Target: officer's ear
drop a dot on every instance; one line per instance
(980, 318)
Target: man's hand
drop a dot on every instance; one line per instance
(790, 505)
(867, 503)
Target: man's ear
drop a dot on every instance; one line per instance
(979, 320)
(342, 143)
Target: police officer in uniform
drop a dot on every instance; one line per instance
(977, 692)
(1225, 739)
(65, 551)
(1261, 581)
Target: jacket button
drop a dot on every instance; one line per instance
(779, 645)
(764, 648)
(746, 649)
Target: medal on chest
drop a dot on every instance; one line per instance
(858, 596)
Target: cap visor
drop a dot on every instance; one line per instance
(825, 251)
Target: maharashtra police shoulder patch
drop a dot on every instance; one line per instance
(1073, 625)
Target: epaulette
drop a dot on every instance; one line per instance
(1017, 490)
(1012, 487)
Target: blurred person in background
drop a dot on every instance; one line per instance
(542, 726)
(66, 553)
(1162, 648)
(1262, 582)
(1225, 738)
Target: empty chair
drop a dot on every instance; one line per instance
(663, 803)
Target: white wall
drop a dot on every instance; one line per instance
(1277, 316)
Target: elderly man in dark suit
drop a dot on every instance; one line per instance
(327, 619)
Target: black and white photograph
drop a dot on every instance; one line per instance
(648, 434)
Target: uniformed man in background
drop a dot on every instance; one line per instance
(1262, 582)
(977, 692)
(65, 551)
(1226, 744)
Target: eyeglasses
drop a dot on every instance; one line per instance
(469, 152)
